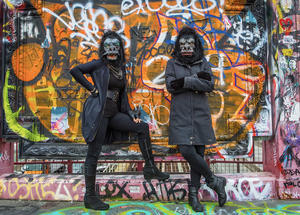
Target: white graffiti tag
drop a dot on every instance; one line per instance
(86, 21)
(4, 157)
(180, 9)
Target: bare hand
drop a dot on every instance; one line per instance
(137, 120)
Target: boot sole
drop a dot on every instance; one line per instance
(88, 206)
(158, 178)
(194, 209)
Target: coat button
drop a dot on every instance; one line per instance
(196, 91)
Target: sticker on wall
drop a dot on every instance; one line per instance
(59, 120)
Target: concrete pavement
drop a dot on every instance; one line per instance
(268, 207)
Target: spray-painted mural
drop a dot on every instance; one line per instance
(285, 63)
(43, 39)
(71, 188)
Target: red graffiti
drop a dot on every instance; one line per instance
(286, 25)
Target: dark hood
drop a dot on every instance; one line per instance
(199, 52)
(121, 61)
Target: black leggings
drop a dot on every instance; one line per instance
(121, 122)
(194, 154)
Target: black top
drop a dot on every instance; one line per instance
(111, 107)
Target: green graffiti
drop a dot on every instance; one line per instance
(11, 117)
(159, 208)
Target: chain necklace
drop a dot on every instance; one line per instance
(117, 72)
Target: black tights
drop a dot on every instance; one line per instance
(121, 122)
(194, 154)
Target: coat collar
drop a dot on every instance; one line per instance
(188, 65)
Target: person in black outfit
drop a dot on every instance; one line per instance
(188, 78)
(107, 115)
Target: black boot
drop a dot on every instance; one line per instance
(150, 171)
(91, 198)
(193, 199)
(218, 184)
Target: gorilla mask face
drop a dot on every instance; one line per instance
(187, 45)
(112, 48)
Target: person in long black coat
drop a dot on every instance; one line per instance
(107, 115)
(188, 79)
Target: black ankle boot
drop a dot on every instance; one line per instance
(152, 172)
(91, 198)
(193, 199)
(218, 184)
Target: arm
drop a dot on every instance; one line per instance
(78, 71)
(194, 83)
(169, 77)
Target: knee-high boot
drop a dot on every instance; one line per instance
(91, 198)
(193, 199)
(150, 171)
(218, 184)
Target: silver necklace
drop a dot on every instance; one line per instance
(117, 72)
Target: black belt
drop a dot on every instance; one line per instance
(113, 95)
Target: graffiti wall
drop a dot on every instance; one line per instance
(131, 187)
(285, 63)
(6, 157)
(44, 39)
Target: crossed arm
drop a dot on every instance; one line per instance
(202, 81)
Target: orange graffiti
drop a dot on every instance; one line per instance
(27, 61)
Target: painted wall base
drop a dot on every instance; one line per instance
(288, 188)
(240, 187)
(6, 157)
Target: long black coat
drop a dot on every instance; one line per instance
(93, 107)
(190, 119)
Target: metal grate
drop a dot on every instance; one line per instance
(218, 166)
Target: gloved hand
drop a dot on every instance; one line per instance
(94, 92)
(177, 84)
(204, 75)
(135, 114)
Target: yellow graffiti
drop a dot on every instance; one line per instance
(11, 117)
(38, 189)
(287, 52)
(10, 5)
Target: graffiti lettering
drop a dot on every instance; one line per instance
(170, 189)
(72, 188)
(291, 184)
(130, 6)
(4, 156)
(291, 172)
(113, 190)
(87, 23)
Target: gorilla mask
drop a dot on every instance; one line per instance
(111, 48)
(187, 45)
(188, 48)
